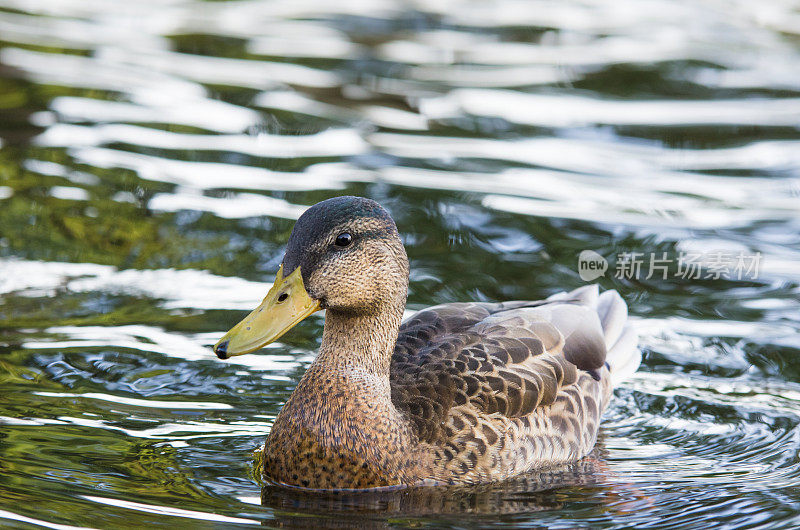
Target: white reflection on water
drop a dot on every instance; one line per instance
(200, 112)
(578, 111)
(299, 38)
(209, 175)
(332, 142)
(224, 71)
(232, 206)
(69, 193)
(71, 33)
(715, 202)
(59, 170)
(152, 339)
(168, 288)
(768, 397)
(173, 512)
(39, 522)
(715, 328)
(394, 118)
(146, 403)
(292, 101)
(89, 72)
(442, 48)
(178, 431)
(664, 214)
(622, 156)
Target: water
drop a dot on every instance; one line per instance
(156, 153)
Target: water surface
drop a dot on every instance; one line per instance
(155, 154)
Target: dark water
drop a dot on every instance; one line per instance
(155, 154)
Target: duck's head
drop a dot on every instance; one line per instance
(345, 255)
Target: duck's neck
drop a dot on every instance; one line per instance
(359, 345)
(340, 421)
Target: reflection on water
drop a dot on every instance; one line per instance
(544, 491)
(154, 156)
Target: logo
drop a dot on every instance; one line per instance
(591, 265)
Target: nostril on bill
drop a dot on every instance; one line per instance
(221, 350)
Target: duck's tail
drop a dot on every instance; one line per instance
(622, 341)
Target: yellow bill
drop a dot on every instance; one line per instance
(286, 304)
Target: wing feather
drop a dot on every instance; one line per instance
(507, 359)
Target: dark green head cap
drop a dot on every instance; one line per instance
(316, 223)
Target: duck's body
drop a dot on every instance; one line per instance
(459, 394)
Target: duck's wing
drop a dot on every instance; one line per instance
(466, 373)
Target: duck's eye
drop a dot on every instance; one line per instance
(343, 239)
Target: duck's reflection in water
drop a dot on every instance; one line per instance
(534, 492)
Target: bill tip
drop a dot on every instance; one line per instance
(221, 349)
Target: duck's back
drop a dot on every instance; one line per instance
(494, 390)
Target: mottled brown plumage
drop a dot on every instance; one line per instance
(461, 393)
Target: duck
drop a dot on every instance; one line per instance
(460, 393)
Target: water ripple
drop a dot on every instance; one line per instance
(575, 111)
(153, 157)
